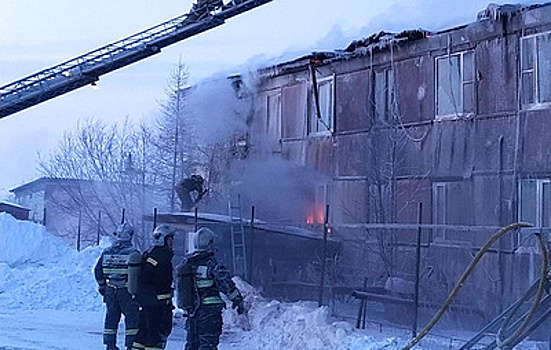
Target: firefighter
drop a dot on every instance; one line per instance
(155, 292)
(201, 278)
(202, 8)
(111, 273)
(186, 187)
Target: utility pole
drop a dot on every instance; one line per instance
(417, 271)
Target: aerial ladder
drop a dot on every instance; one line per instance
(86, 69)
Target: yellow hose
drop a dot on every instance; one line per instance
(461, 281)
(505, 343)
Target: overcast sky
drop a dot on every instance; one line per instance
(37, 34)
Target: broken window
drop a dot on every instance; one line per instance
(455, 89)
(316, 214)
(383, 95)
(322, 123)
(273, 120)
(536, 69)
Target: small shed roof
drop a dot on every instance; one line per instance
(188, 218)
(13, 205)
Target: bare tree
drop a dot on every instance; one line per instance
(101, 168)
(174, 138)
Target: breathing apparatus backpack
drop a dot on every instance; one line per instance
(187, 289)
(134, 269)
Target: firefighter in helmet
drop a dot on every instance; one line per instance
(155, 291)
(111, 273)
(201, 278)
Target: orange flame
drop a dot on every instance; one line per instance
(315, 217)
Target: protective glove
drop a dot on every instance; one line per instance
(102, 290)
(240, 306)
(241, 309)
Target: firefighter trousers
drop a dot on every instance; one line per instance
(155, 327)
(204, 328)
(118, 301)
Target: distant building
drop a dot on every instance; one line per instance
(17, 211)
(38, 196)
(80, 211)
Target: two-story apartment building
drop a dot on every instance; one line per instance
(458, 120)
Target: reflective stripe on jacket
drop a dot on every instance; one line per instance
(210, 278)
(112, 266)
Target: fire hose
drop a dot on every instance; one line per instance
(504, 343)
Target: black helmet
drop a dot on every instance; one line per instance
(198, 178)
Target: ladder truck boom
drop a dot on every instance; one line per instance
(86, 69)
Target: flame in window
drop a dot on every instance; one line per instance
(316, 216)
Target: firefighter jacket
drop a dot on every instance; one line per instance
(189, 185)
(155, 281)
(201, 278)
(112, 266)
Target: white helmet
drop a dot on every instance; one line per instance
(124, 232)
(204, 239)
(160, 233)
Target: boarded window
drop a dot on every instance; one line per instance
(455, 88)
(536, 69)
(273, 120)
(323, 122)
(383, 95)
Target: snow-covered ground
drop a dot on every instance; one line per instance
(49, 300)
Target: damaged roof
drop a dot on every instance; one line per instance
(383, 40)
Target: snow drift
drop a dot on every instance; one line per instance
(38, 271)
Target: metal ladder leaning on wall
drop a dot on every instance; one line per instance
(237, 234)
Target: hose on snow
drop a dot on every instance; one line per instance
(508, 342)
(461, 281)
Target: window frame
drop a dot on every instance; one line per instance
(312, 113)
(460, 112)
(271, 130)
(439, 234)
(534, 70)
(539, 206)
(539, 200)
(389, 94)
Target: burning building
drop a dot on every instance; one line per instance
(455, 122)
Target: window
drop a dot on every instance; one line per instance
(383, 95)
(316, 214)
(533, 207)
(439, 208)
(273, 120)
(455, 75)
(535, 201)
(322, 123)
(536, 69)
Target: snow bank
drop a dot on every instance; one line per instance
(296, 326)
(304, 326)
(38, 271)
